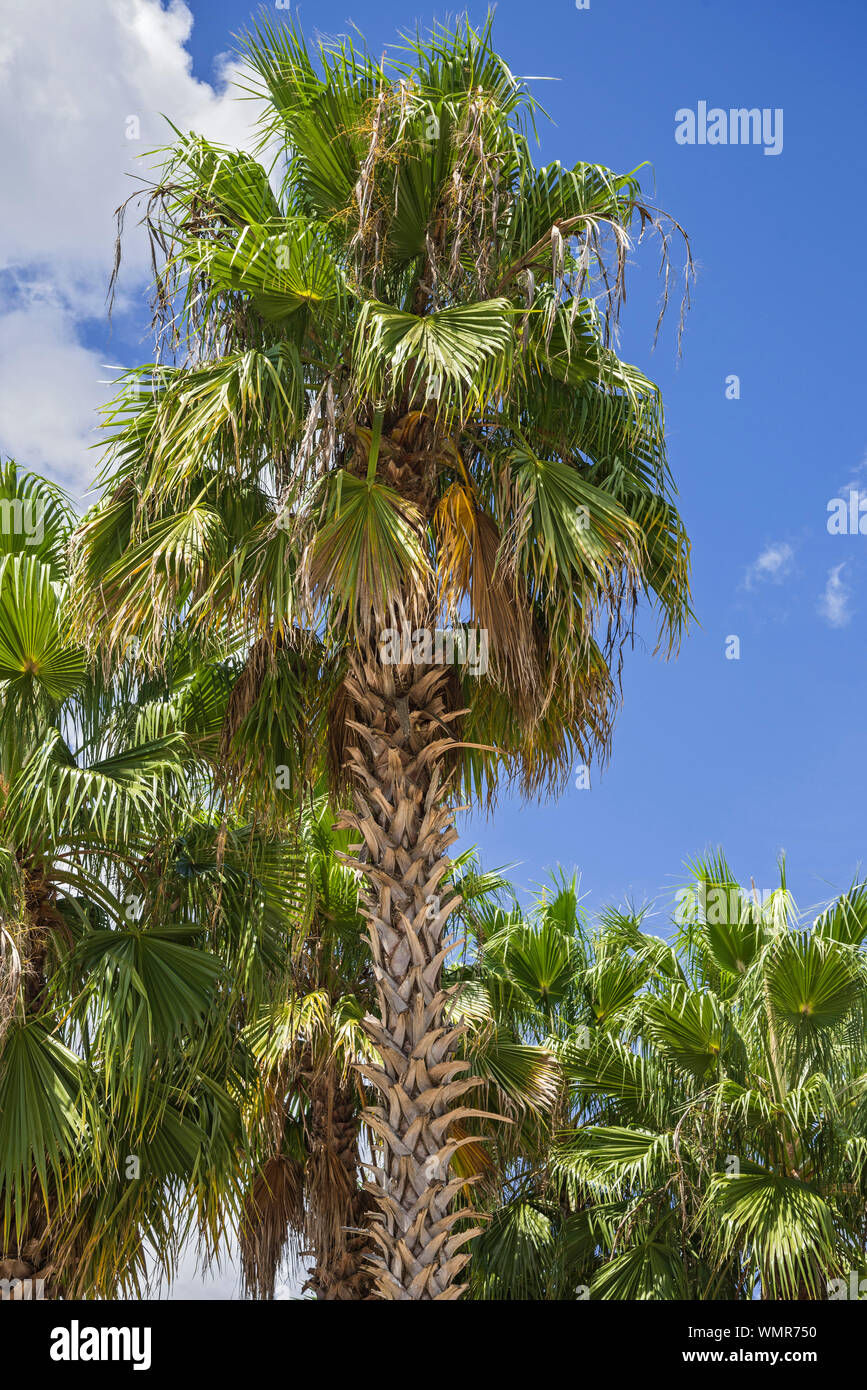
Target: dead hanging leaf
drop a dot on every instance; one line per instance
(246, 692)
(273, 1210)
(468, 569)
(473, 1159)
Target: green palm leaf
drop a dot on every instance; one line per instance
(46, 1116)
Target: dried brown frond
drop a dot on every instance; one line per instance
(245, 694)
(469, 568)
(273, 1212)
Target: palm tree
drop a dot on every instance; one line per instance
(720, 1103)
(141, 923)
(305, 1129)
(84, 995)
(397, 413)
(542, 976)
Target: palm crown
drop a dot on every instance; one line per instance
(397, 402)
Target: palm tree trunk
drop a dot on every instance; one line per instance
(338, 1207)
(398, 767)
(43, 918)
(29, 1258)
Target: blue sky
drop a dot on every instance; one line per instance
(758, 754)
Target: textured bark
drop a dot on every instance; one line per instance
(43, 919)
(338, 1215)
(399, 750)
(34, 1276)
(31, 1257)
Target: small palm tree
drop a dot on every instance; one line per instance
(538, 975)
(142, 924)
(397, 415)
(306, 1125)
(720, 1103)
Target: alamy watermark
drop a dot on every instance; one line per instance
(77, 1343)
(423, 646)
(18, 1290)
(23, 516)
(847, 516)
(738, 126)
(853, 1287)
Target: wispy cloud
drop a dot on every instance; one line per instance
(834, 603)
(774, 564)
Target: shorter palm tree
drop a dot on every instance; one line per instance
(720, 1101)
(535, 976)
(306, 1125)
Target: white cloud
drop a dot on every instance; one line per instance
(773, 564)
(834, 602)
(70, 77)
(48, 390)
